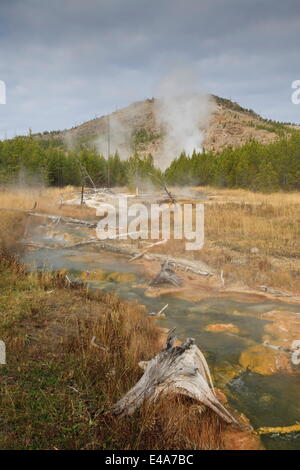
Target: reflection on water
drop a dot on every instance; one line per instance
(271, 400)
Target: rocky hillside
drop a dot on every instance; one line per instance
(135, 128)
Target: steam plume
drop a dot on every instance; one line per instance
(182, 110)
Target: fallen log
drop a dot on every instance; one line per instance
(185, 265)
(84, 243)
(61, 218)
(177, 370)
(277, 293)
(145, 251)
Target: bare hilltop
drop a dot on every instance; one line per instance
(135, 128)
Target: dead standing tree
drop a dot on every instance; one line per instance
(177, 370)
(84, 176)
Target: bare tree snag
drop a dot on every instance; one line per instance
(171, 197)
(166, 275)
(180, 370)
(84, 174)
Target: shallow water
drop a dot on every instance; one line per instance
(271, 400)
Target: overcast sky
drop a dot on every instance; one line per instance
(66, 61)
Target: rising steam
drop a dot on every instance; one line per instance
(180, 114)
(183, 111)
(116, 137)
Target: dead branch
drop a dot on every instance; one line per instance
(84, 243)
(142, 253)
(222, 278)
(157, 314)
(93, 343)
(68, 281)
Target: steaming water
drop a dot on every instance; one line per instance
(265, 400)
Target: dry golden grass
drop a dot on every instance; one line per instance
(237, 221)
(14, 201)
(45, 200)
(243, 220)
(173, 424)
(12, 227)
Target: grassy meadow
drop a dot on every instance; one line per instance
(253, 237)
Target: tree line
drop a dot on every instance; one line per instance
(32, 161)
(255, 166)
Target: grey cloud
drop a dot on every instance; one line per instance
(65, 62)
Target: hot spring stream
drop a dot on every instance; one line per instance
(267, 400)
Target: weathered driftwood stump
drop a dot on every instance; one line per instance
(180, 370)
(166, 275)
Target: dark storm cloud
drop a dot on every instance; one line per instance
(66, 61)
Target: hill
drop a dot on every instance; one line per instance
(135, 128)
